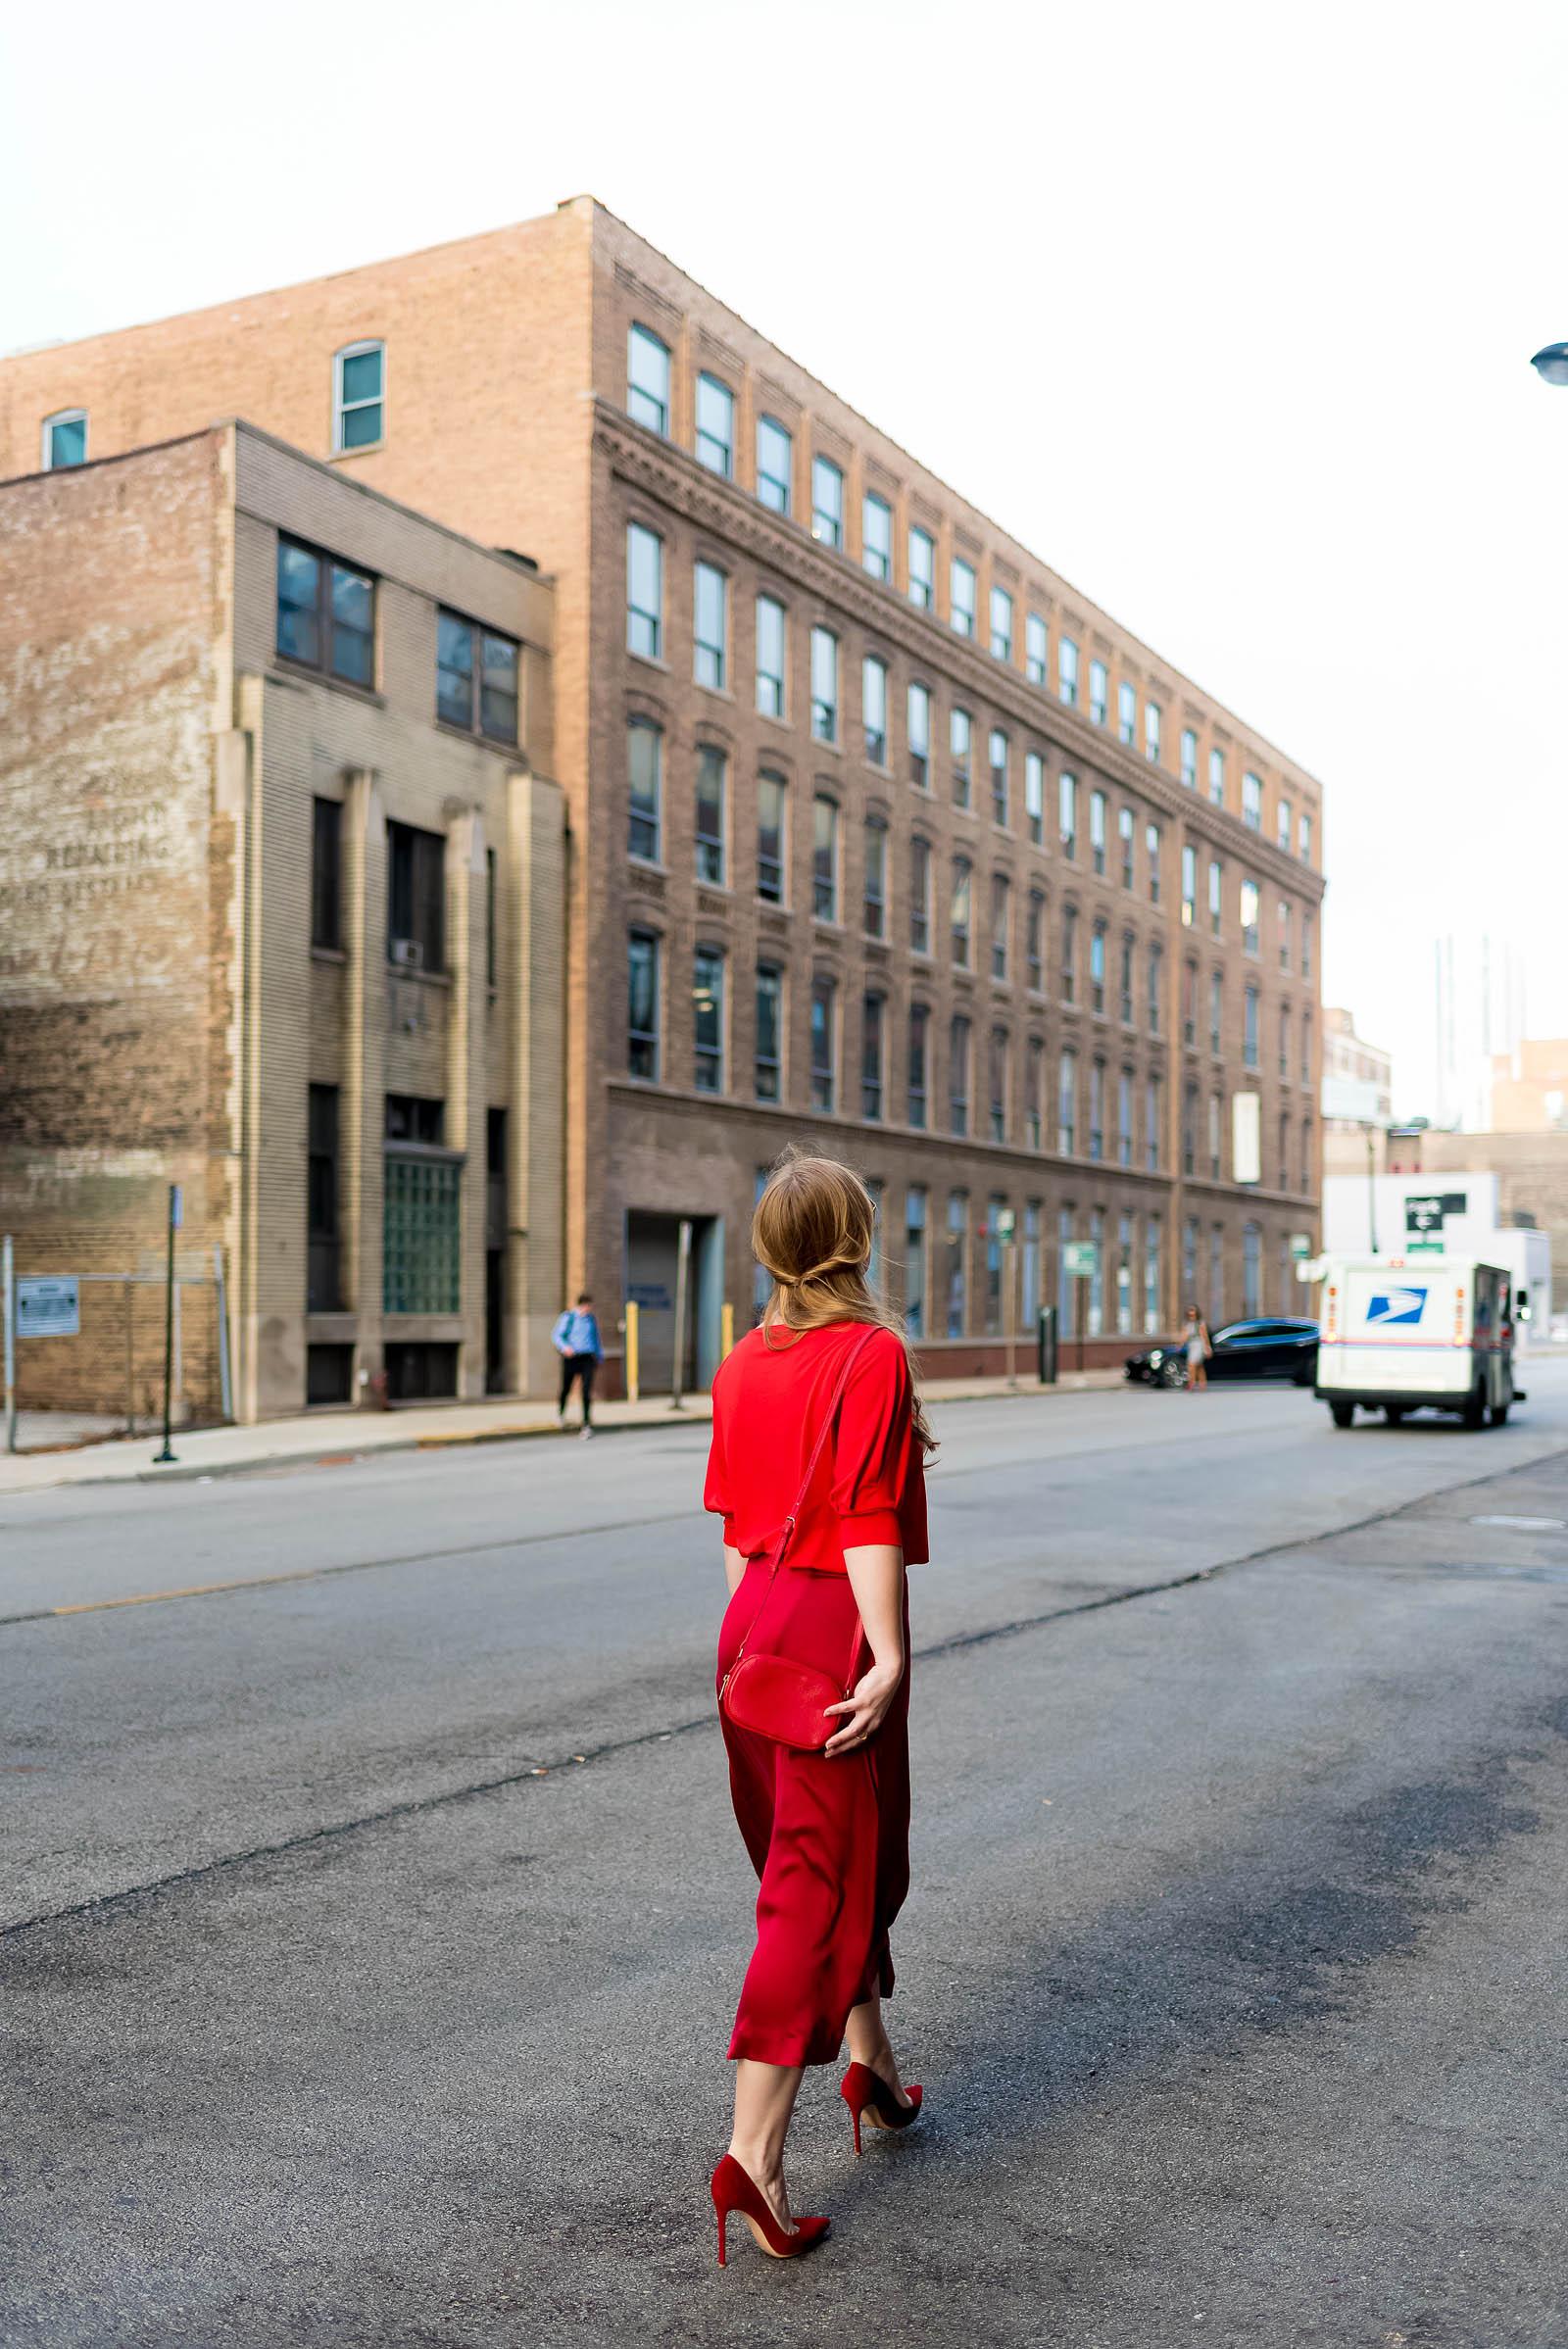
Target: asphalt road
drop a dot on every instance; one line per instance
(375, 1913)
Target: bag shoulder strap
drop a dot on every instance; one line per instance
(783, 1541)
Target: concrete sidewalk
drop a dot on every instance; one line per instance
(329, 1437)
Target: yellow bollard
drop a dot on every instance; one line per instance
(633, 1310)
(726, 1328)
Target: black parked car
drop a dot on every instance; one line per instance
(1242, 1349)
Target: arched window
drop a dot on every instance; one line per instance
(359, 397)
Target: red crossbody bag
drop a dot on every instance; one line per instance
(773, 1695)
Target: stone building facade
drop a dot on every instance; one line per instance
(884, 837)
(281, 890)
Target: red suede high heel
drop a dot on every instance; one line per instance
(735, 2189)
(866, 2091)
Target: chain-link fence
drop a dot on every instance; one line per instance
(85, 1340)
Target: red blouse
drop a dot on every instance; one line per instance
(869, 1484)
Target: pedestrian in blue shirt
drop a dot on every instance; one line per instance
(577, 1339)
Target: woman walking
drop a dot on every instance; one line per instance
(1197, 1346)
(817, 1469)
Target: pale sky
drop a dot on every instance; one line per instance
(1224, 311)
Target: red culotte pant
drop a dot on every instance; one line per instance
(829, 1839)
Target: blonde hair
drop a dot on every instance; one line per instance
(811, 1233)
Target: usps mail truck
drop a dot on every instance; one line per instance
(1416, 1333)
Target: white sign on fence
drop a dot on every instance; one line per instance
(48, 1305)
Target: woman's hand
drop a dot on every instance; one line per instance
(874, 1691)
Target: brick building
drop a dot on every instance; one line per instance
(1358, 1097)
(882, 833)
(280, 920)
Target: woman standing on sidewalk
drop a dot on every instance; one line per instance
(817, 1468)
(1198, 1345)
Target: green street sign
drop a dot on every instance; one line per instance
(1423, 1248)
(1080, 1258)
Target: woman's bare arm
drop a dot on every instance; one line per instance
(734, 1568)
(876, 1577)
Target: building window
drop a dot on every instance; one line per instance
(959, 928)
(1000, 624)
(1034, 946)
(876, 536)
(1216, 890)
(1124, 1119)
(1151, 1277)
(1124, 990)
(1029, 1267)
(1309, 1183)
(645, 592)
(1249, 915)
(761, 1279)
(919, 896)
(710, 631)
(1189, 1003)
(1216, 1271)
(1190, 1130)
(1151, 732)
(359, 396)
(922, 569)
(1252, 802)
(875, 709)
(824, 685)
(998, 1087)
(1285, 1150)
(775, 465)
(919, 718)
(1097, 969)
(959, 1075)
(707, 1018)
(1250, 1052)
(466, 653)
(957, 1265)
(1251, 1267)
(1125, 833)
(647, 381)
(1157, 986)
(416, 898)
(999, 777)
(1216, 1127)
(1127, 712)
(1151, 1122)
(960, 736)
(716, 426)
(1097, 1279)
(873, 1018)
(914, 1267)
(1307, 1047)
(1069, 954)
(65, 440)
(712, 775)
(1034, 797)
(1189, 886)
(1067, 1103)
(1189, 758)
(642, 1008)
(1066, 1284)
(1067, 813)
(823, 1001)
(1151, 852)
(772, 640)
(1303, 839)
(767, 1053)
(1099, 692)
(1282, 827)
(875, 909)
(1306, 946)
(1036, 649)
(827, 502)
(1034, 1098)
(824, 858)
(421, 1221)
(962, 595)
(1190, 1235)
(1124, 1275)
(326, 874)
(1097, 1108)
(645, 762)
(996, 1209)
(323, 1240)
(1285, 1040)
(1217, 778)
(1000, 899)
(1067, 670)
(919, 1041)
(1285, 934)
(1216, 1013)
(325, 613)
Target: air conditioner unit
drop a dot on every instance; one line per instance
(407, 951)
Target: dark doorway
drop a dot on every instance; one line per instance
(420, 1371)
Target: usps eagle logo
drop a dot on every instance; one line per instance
(1390, 1306)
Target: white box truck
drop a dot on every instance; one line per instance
(1416, 1333)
